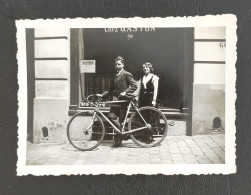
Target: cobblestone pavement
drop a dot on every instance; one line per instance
(201, 149)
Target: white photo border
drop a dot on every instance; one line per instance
(227, 20)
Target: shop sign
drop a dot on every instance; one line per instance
(129, 30)
(87, 66)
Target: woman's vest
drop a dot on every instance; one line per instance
(149, 86)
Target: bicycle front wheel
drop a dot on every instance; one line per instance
(85, 132)
(149, 126)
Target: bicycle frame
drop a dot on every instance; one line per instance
(122, 131)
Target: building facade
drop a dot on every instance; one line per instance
(189, 61)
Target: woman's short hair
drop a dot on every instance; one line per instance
(121, 59)
(148, 65)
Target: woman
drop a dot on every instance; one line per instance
(148, 89)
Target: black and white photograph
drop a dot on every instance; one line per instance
(111, 96)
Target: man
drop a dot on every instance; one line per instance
(121, 84)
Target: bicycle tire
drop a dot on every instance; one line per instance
(85, 138)
(155, 134)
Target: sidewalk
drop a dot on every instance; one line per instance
(201, 149)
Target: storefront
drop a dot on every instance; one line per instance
(170, 51)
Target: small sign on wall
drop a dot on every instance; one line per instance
(87, 66)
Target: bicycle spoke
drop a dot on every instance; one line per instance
(82, 135)
(85, 144)
(156, 128)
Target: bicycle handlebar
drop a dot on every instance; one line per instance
(99, 98)
(93, 95)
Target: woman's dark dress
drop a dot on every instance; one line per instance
(145, 99)
(146, 94)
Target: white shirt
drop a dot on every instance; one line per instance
(146, 78)
(119, 72)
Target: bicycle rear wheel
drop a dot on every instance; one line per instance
(85, 132)
(154, 132)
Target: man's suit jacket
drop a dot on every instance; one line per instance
(123, 82)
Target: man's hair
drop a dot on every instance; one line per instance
(121, 59)
(148, 65)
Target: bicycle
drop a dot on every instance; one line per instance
(147, 126)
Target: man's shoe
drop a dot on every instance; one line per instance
(117, 140)
(125, 137)
(117, 143)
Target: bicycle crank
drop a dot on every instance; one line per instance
(149, 126)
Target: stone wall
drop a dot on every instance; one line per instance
(51, 102)
(209, 79)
